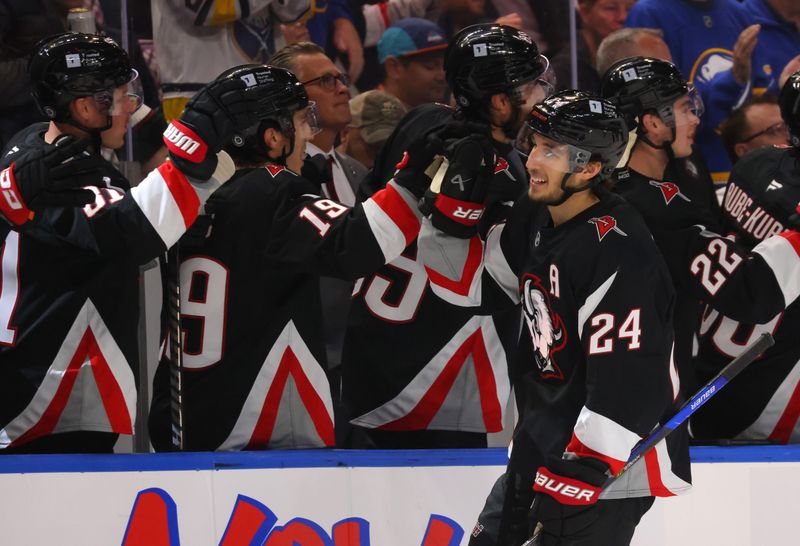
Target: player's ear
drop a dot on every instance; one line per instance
(80, 110)
(591, 170)
(740, 149)
(274, 140)
(499, 108)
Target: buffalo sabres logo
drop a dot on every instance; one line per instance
(669, 190)
(502, 167)
(546, 329)
(605, 224)
(274, 170)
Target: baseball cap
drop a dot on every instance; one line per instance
(410, 36)
(376, 113)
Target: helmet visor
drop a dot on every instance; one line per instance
(558, 156)
(307, 121)
(686, 110)
(125, 99)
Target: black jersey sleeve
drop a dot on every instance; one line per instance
(138, 224)
(312, 233)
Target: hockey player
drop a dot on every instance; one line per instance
(254, 352)
(762, 194)
(69, 300)
(594, 372)
(418, 371)
(704, 265)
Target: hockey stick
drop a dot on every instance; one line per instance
(687, 409)
(175, 346)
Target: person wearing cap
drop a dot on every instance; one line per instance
(375, 114)
(412, 55)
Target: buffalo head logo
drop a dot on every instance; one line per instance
(546, 330)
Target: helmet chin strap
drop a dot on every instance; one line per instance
(566, 192)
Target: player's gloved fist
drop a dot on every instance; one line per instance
(566, 495)
(458, 207)
(217, 112)
(49, 177)
(417, 166)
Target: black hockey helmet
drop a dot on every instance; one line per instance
(485, 59)
(279, 95)
(71, 65)
(589, 125)
(640, 84)
(789, 102)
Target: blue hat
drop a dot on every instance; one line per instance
(410, 36)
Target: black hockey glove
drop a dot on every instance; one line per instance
(49, 177)
(458, 207)
(566, 498)
(217, 112)
(418, 165)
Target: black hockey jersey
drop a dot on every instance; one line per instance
(416, 361)
(254, 354)
(763, 403)
(594, 370)
(705, 266)
(69, 301)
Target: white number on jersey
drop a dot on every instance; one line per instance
(376, 294)
(602, 339)
(726, 336)
(332, 209)
(204, 294)
(112, 195)
(707, 266)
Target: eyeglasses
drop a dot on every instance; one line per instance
(328, 81)
(776, 129)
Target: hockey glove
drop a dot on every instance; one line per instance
(566, 498)
(419, 162)
(211, 118)
(49, 177)
(458, 207)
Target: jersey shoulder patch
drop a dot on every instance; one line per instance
(605, 225)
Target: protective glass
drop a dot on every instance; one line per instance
(122, 100)
(560, 157)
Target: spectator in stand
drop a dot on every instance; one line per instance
(194, 42)
(412, 54)
(757, 124)
(779, 37)
(599, 18)
(375, 114)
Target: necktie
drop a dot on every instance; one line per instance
(330, 187)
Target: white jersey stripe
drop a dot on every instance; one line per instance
(781, 254)
(242, 432)
(497, 265)
(592, 302)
